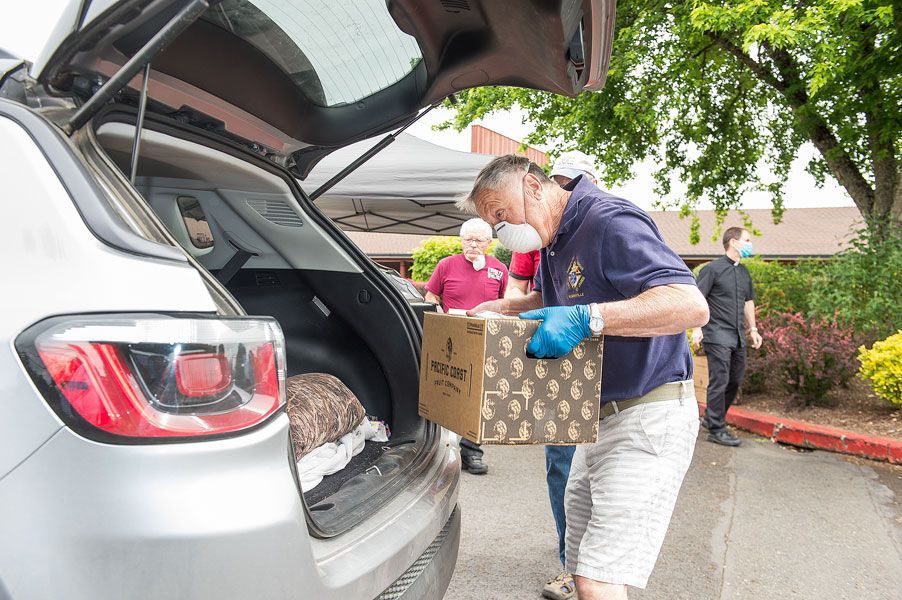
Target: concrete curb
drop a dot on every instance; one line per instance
(807, 435)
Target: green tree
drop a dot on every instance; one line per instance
(781, 288)
(709, 91)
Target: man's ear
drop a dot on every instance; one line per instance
(532, 184)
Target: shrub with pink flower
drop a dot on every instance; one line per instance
(809, 356)
(757, 377)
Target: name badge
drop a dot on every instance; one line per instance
(495, 274)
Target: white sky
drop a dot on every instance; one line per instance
(25, 26)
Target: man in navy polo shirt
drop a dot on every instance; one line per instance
(523, 270)
(606, 270)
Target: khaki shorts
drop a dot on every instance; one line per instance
(623, 488)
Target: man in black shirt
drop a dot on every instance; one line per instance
(727, 286)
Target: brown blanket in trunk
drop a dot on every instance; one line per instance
(321, 409)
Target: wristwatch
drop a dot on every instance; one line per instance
(596, 321)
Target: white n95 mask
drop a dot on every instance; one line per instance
(519, 237)
(479, 262)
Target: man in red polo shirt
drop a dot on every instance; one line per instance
(524, 266)
(459, 283)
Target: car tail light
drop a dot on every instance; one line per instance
(156, 376)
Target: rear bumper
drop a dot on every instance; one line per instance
(216, 519)
(393, 545)
(429, 576)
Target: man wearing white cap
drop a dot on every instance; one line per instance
(571, 165)
(523, 268)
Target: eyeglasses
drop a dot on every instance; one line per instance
(471, 240)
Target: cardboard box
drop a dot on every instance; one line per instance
(476, 380)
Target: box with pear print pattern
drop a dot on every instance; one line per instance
(477, 380)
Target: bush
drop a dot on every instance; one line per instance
(427, 255)
(758, 372)
(782, 288)
(502, 254)
(756, 378)
(863, 285)
(810, 356)
(882, 364)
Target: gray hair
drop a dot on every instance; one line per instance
(497, 175)
(477, 226)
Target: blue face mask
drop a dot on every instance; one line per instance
(746, 250)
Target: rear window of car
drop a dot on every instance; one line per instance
(337, 52)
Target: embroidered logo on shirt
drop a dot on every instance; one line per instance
(494, 273)
(575, 277)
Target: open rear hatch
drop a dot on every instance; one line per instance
(291, 81)
(302, 77)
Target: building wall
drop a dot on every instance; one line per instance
(486, 141)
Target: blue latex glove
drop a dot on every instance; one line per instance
(562, 328)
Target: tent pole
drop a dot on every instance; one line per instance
(383, 143)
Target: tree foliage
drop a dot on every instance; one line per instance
(783, 288)
(709, 91)
(863, 285)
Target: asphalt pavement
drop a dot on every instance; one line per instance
(758, 521)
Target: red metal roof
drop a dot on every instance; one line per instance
(387, 245)
(486, 141)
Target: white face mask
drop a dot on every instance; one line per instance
(519, 237)
(478, 262)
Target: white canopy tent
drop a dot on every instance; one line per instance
(408, 187)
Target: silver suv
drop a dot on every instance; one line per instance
(165, 273)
